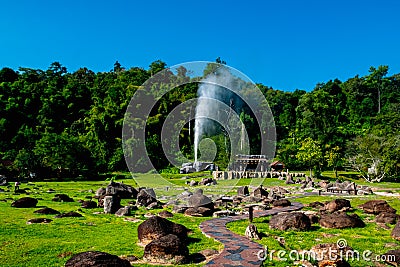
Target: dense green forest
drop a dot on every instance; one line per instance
(53, 122)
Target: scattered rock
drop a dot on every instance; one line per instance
(153, 205)
(252, 232)
(281, 203)
(96, 259)
(393, 257)
(312, 215)
(376, 207)
(100, 192)
(193, 183)
(208, 181)
(38, 220)
(223, 213)
(341, 220)
(25, 202)
(167, 249)
(165, 214)
(69, 214)
(156, 227)
(209, 252)
(111, 204)
(89, 204)
(243, 191)
(292, 220)
(62, 198)
(336, 205)
(179, 209)
(316, 205)
(146, 197)
(121, 190)
(198, 212)
(199, 200)
(47, 211)
(125, 211)
(251, 199)
(396, 231)
(330, 255)
(386, 217)
(260, 192)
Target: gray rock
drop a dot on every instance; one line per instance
(146, 197)
(125, 211)
(200, 200)
(243, 191)
(111, 204)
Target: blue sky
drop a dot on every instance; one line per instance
(283, 44)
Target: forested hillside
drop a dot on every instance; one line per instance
(53, 122)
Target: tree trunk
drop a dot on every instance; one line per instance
(310, 172)
(335, 170)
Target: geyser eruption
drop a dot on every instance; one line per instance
(210, 95)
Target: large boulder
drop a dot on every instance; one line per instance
(376, 207)
(336, 205)
(25, 202)
(200, 200)
(340, 220)
(386, 217)
(47, 211)
(396, 231)
(290, 221)
(96, 259)
(62, 198)
(168, 249)
(146, 197)
(121, 190)
(156, 227)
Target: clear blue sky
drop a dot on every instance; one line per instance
(284, 44)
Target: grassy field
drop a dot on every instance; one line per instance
(53, 244)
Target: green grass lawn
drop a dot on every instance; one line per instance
(53, 244)
(372, 237)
